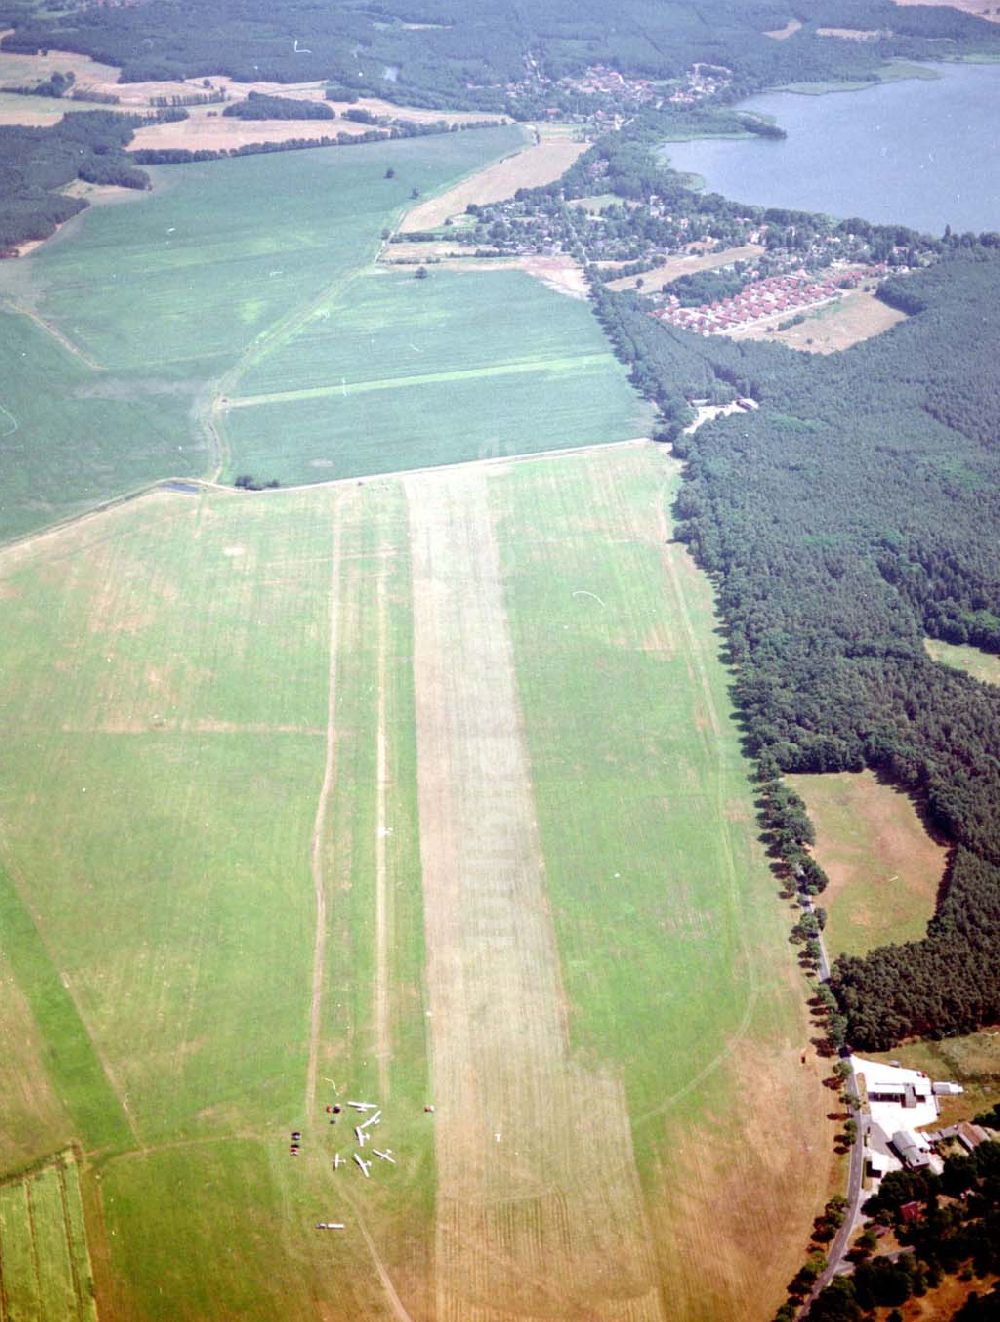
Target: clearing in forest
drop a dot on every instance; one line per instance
(476, 722)
(885, 870)
(972, 661)
(856, 316)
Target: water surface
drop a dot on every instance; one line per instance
(919, 153)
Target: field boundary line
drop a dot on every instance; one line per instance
(194, 486)
(60, 337)
(419, 379)
(319, 825)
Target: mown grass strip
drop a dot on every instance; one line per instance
(72, 1063)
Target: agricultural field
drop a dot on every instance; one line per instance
(45, 1268)
(276, 730)
(885, 870)
(118, 334)
(399, 373)
(972, 661)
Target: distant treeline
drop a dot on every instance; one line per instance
(35, 162)
(187, 156)
(475, 55)
(843, 521)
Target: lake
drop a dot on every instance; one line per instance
(916, 152)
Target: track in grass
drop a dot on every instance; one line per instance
(539, 1209)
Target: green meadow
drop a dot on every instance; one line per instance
(393, 372)
(167, 674)
(142, 309)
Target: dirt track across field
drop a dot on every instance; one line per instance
(539, 1211)
(317, 843)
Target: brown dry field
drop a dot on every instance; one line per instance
(674, 267)
(858, 316)
(537, 164)
(560, 272)
(850, 34)
(34, 68)
(206, 131)
(987, 9)
(789, 30)
(884, 869)
(539, 1210)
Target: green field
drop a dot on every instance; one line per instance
(167, 698)
(143, 308)
(970, 660)
(393, 372)
(123, 338)
(44, 1264)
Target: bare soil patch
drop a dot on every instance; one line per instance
(884, 869)
(857, 316)
(539, 1210)
(851, 34)
(687, 264)
(789, 30)
(987, 9)
(559, 272)
(537, 164)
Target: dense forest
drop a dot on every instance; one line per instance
(35, 162)
(260, 106)
(438, 52)
(842, 522)
(951, 1223)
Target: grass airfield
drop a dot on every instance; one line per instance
(185, 677)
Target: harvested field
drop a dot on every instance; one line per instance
(885, 870)
(205, 130)
(560, 273)
(851, 34)
(674, 267)
(539, 163)
(24, 69)
(858, 315)
(972, 661)
(36, 111)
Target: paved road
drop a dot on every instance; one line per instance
(838, 1248)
